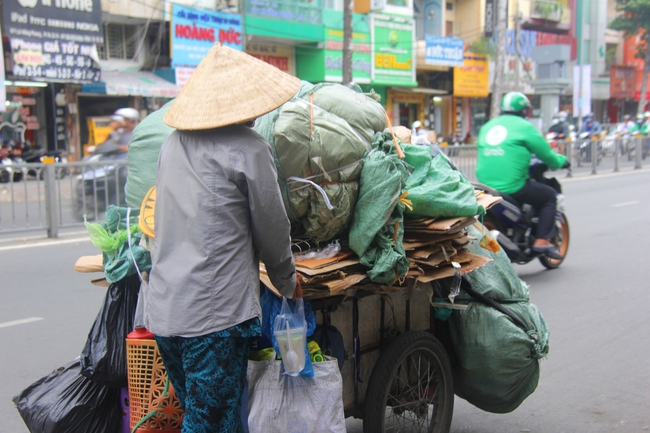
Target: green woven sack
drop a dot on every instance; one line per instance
(498, 362)
(435, 189)
(379, 212)
(144, 149)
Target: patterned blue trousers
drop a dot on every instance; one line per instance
(208, 374)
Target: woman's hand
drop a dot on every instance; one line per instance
(297, 292)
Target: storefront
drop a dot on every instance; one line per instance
(393, 66)
(49, 46)
(327, 64)
(471, 88)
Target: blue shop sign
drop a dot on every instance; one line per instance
(443, 51)
(194, 32)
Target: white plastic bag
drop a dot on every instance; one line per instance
(281, 403)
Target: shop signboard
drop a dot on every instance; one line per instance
(194, 32)
(280, 56)
(392, 50)
(630, 50)
(519, 61)
(443, 51)
(471, 79)
(361, 56)
(54, 40)
(297, 12)
(490, 18)
(621, 82)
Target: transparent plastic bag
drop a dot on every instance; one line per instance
(290, 335)
(331, 250)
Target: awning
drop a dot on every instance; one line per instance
(132, 83)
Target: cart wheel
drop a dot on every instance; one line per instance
(410, 388)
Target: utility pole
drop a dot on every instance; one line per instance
(644, 83)
(518, 19)
(579, 53)
(499, 62)
(347, 41)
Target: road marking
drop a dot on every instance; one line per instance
(20, 322)
(43, 244)
(627, 203)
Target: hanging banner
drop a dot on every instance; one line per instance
(194, 32)
(443, 51)
(3, 89)
(392, 50)
(581, 90)
(54, 40)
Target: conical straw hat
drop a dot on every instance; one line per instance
(229, 87)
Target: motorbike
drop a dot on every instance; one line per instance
(9, 157)
(101, 184)
(584, 149)
(514, 225)
(38, 155)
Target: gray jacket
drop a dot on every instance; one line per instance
(218, 212)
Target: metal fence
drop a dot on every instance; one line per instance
(51, 197)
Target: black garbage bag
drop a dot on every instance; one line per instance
(103, 358)
(64, 401)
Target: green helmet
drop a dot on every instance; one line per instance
(514, 102)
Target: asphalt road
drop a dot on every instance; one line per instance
(596, 378)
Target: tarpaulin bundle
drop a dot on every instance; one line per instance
(377, 228)
(112, 238)
(435, 189)
(144, 149)
(498, 359)
(319, 139)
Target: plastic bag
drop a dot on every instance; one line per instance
(331, 250)
(290, 337)
(103, 358)
(271, 307)
(280, 403)
(64, 401)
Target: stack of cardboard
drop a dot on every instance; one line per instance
(431, 245)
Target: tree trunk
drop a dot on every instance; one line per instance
(499, 62)
(644, 82)
(347, 41)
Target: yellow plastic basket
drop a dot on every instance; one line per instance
(148, 401)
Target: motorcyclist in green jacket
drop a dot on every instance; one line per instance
(505, 146)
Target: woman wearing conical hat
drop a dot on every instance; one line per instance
(218, 212)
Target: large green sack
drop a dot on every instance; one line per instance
(144, 149)
(498, 362)
(324, 145)
(435, 189)
(379, 212)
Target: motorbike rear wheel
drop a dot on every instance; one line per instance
(561, 242)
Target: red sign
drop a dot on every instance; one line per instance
(630, 49)
(622, 82)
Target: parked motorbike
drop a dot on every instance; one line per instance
(645, 148)
(38, 155)
(101, 184)
(514, 224)
(9, 157)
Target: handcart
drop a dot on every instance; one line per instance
(396, 374)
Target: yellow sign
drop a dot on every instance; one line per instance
(471, 79)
